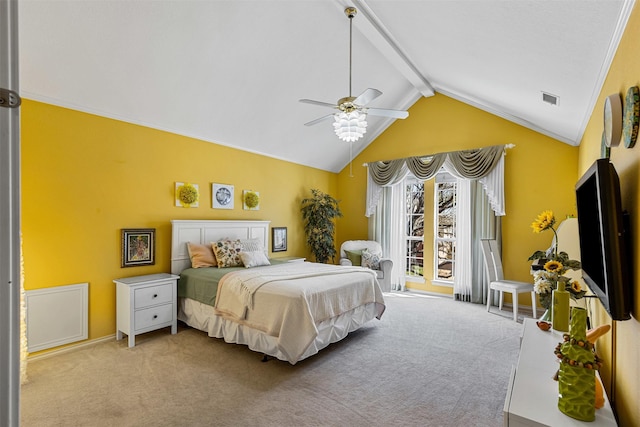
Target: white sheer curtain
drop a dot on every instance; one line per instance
(389, 230)
(480, 202)
(464, 240)
(475, 220)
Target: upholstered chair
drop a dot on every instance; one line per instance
(368, 253)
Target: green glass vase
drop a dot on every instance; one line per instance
(576, 376)
(560, 308)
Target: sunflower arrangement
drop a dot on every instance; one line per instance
(551, 265)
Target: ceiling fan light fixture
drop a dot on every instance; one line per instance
(350, 122)
(350, 126)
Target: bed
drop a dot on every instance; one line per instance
(287, 310)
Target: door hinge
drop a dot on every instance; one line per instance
(9, 98)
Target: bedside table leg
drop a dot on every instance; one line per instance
(174, 328)
(132, 340)
(118, 335)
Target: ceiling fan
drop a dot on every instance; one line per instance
(350, 121)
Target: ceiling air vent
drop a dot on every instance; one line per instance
(550, 99)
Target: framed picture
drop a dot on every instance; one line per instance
(138, 246)
(222, 196)
(250, 200)
(279, 239)
(187, 195)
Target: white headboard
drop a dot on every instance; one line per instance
(206, 231)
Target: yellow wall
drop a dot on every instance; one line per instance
(539, 174)
(624, 73)
(86, 177)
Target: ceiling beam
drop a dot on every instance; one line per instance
(373, 29)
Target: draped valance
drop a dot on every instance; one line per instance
(483, 164)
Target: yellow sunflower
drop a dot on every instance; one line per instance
(553, 266)
(575, 285)
(544, 221)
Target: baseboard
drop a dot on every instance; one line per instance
(70, 348)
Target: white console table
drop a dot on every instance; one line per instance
(532, 396)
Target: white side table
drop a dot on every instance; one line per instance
(532, 395)
(146, 303)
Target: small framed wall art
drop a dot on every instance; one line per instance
(187, 195)
(250, 200)
(222, 196)
(279, 239)
(138, 246)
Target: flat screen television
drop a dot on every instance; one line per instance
(604, 240)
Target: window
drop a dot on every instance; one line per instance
(414, 227)
(445, 227)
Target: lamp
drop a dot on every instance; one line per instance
(350, 126)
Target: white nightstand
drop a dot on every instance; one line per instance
(146, 303)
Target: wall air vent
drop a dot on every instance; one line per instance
(550, 99)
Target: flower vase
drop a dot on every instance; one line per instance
(546, 316)
(560, 308)
(576, 376)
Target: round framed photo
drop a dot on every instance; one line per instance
(612, 120)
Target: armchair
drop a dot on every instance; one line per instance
(355, 247)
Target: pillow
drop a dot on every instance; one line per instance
(371, 260)
(254, 259)
(227, 253)
(354, 256)
(252, 245)
(201, 255)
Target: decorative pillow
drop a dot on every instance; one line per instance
(354, 256)
(252, 245)
(254, 259)
(201, 255)
(371, 260)
(227, 253)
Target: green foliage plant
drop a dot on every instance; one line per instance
(318, 215)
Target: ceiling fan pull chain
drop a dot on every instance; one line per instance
(350, 159)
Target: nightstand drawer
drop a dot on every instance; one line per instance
(150, 317)
(153, 295)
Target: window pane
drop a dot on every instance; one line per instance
(445, 226)
(414, 227)
(445, 259)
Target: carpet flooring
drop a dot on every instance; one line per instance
(429, 361)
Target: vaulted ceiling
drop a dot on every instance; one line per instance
(231, 72)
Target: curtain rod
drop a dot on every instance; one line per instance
(427, 155)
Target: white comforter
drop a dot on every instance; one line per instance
(288, 300)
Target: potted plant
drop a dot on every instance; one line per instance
(318, 214)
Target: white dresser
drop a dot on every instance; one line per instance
(146, 303)
(532, 396)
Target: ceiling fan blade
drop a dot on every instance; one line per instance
(323, 104)
(367, 96)
(321, 119)
(383, 112)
